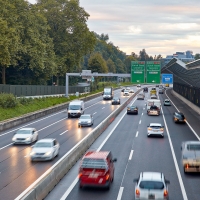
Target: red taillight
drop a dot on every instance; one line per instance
(107, 176)
(187, 166)
(137, 192)
(80, 174)
(165, 193)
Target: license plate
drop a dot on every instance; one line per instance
(151, 196)
(93, 175)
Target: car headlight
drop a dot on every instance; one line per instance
(48, 153)
(128, 109)
(28, 138)
(89, 121)
(32, 153)
(14, 138)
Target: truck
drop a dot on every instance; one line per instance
(108, 93)
(153, 102)
(76, 108)
(191, 156)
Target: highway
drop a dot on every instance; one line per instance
(16, 170)
(127, 139)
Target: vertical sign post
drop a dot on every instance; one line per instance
(137, 71)
(153, 72)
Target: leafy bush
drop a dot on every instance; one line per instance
(25, 101)
(8, 100)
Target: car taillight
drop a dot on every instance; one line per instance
(162, 129)
(107, 176)
(80, 174)
(165, 193)
(137, 192)
(149, 128)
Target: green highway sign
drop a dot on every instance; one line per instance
(137, 71)
(153, 71)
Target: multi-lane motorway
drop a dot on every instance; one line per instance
(136, 152)
(127, 139)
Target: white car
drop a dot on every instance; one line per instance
(155, 129)
(45, 149)
(126, 92)
(85, 120)
(131, 91)
(151, 185)
(25, 136)
(138, 86)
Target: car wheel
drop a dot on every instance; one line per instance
(108, 186)
(68, 116)
(57, 154)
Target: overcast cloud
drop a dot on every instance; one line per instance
(154, 25)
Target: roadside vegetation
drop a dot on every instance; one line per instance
(11, 107)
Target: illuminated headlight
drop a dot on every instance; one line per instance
(118, 100)
(128, 109)
(28, 138)
(14, 138)
(32, 153)
(48, 153)
(68, 111)
(89, 121)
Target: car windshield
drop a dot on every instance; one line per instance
(107, 93)
(42, 144)
(193, 147)
(154, 185)
(24, 132)
(180, 115)
(85, 117)
(74, 107)
(133, 107)
(153, 108)
(125, 90)
(115, 98)
(94, 163)
(166, 100)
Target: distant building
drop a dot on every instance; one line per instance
(186, 57)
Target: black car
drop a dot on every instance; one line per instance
(122, 89)
(115, 100)
(145, 89)
(179, 117)
(132, 109)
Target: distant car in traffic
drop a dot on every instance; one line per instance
(140, 96)
(155, 129)
(45, 149)
(115, 101)
(131, 109)
(122, 90)
(167, 102)
(191, 156)
(157, 85)
(145, 89)
(131, 91)
(161, 91)
(151, 185)
(138, 86)
(153, 110)
(25, 136)
(179, 117)
(85, 120)
(97, 169)
(153, 96)
(126, 92)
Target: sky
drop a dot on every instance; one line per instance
(158, 26)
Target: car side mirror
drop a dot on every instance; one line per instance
(135, 180)
(114, 160)
(167, 181)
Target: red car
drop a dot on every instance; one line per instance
(97, 169)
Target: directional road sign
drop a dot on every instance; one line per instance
(137, 71)
(153, 72)
(167, 78)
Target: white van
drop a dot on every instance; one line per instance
(76, 108)
(155, 102)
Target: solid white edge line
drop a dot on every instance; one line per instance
(131, 154)
(136, 134)
(175, 160)
(120, 193)
(94, 113)
(65, 195)
(186, 121)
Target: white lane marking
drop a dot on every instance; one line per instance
(143, 108)
(6, 145)
(94, 113)
(186, 121)
(140, 122)
(49, 125)
(175, 160)
(63, 132)
(142, 113)
(136, 134)
(120, 193)
(131, 154)
(103, 107)
(65, 195)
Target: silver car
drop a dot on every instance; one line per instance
(151, 185)
(85, 120)
(140, 96)
(155, 129)
(167, 102)
(126, 92)
(25, 136)
(45, 149)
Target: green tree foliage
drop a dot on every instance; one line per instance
(111, 66)
(127, 62)
(197, 56)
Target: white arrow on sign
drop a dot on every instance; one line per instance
(153, 81)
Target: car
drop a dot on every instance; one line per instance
(191, 156)
(122, 90)
(131, 109)
(153, 96)
(126, 92)
(131, 91)
(25, 136)
(138, 86)
(145, 89)
(160, 91)
(155, 129)
(151, 185)
(153, 110)
(96, 169)
(167, 85)
(115, 100)
(45, 149)
(85, 120)
(140, 96)
(167, 102)
(128, 88)
(157, 85)
(179, 117)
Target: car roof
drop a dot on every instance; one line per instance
(166, 99)
(86, 115)
(157, 176)
(26, 129)
(155, 124)
(97, 154)
(46, 140)
(180, 113)
(192, 142)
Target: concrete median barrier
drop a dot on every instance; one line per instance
(43, 185)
